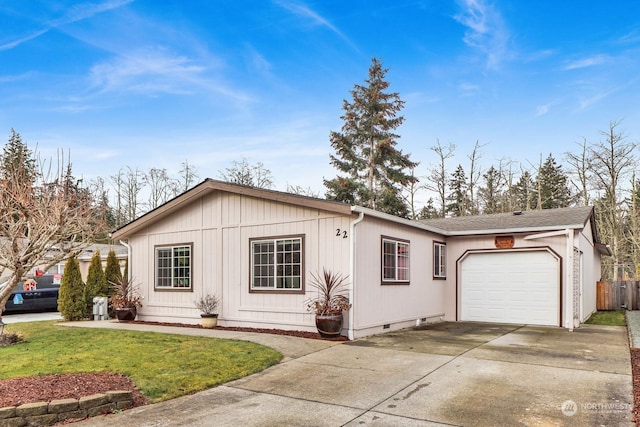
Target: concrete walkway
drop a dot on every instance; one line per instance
(633, 326)
(446, 374)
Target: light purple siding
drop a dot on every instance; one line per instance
(219, 225)
(398, 306)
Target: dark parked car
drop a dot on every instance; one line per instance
(42, 297)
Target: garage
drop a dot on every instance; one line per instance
(521, 287)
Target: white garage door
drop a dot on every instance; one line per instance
(510, 287)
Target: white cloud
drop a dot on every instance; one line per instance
(468, 89)
(486, 30)
(587, 102)
(76, 13)
(157, 71)
(541, 110)
(586, 62)
(257, 61)
(303, 11)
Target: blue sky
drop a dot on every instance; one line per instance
(146, 83)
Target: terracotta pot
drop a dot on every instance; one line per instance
(126, 314)
(329, 325)
(209, 320)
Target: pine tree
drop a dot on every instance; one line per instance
(71, 300)
(526, 194)
(366, 147)
(553, 186)
(96, 282)
(491, 191)
(429, 211)
(458, 197)
(18, 162)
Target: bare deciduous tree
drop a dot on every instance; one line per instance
(128, 184)
(43, 219)
(188, 176)
(409, 194)
(439, 177)
(161, 186)
(610, 162)
(475, 172)
(580, 172)
(303, 191)
(247, 174)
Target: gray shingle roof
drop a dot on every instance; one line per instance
(104, 249)
(551, 219)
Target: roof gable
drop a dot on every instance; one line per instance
(211, 185)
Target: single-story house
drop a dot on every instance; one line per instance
(256, 250)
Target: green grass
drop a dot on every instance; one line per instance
(162, 366)
(609, 318)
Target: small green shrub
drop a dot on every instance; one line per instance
(71, 299)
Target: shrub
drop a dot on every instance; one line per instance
(331, 298)
(112, 270)
(71, 301)
(96, 283)
(207, 304)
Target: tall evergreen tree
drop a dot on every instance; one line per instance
(553, 186)
(365, 149)
(71, 300)
(491, 191)
(429, 210)
(18, 163)
(458, 197)
(525, 192)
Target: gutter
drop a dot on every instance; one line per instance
(352, 270)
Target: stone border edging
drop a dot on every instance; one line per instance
(49, 413)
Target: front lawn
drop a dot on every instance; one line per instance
(609, 318)
(162, 366)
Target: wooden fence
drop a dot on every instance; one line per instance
(617, 295)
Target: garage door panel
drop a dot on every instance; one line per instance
(510, 287)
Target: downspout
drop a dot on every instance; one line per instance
(569, 281)
(126, 245)
(352, 271)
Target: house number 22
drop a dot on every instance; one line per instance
(342, 233)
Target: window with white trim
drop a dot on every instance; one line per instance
(276, 264)
(395, 261)
(173, 267)
(439, 260)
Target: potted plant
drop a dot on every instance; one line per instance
(208, 305)
(330, 302)
(125, 299)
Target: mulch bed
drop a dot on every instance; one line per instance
(300, 334)
(635, 374)
(45, 388)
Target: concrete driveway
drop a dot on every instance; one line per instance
(460, 374)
